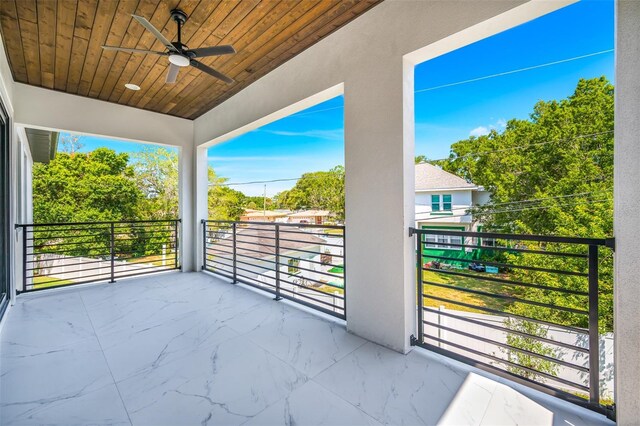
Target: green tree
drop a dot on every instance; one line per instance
(224, 203)
(83, 187)
(258, 202)
(316, 190)
(551, 175)
(563, 158)
(156, 175)
(96, 186)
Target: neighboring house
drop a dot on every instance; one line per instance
(264, 216)
(316, 217)
(442, 202)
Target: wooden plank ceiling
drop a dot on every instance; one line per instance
(55, 44)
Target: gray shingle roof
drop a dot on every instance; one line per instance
(429, 177)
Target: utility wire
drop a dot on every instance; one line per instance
(300, 114)
(532, 200)
(547, 64)
(515, 71)
(588, 201)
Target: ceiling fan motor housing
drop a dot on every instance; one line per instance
(179, 16)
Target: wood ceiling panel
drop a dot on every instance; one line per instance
(56, 44)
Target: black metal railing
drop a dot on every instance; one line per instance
(533, 308)
(63, 254)
(299, 262)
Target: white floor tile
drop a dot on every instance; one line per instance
(226, 384)
(312, 405)
(188, 348)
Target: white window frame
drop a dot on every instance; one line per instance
(446, 239)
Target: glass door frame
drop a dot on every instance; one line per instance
(6, 248)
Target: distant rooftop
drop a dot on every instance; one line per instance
(308, 213)
(266, 213)
(430, 177)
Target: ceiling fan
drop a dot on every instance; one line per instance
(179, 55)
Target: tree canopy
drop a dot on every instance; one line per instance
(562, 157)
(224, 203)
(551, 175)
(316, 190)
(79, 187)
(156, 175)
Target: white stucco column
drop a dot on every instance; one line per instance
(186, 178)
(200, 202)
(379, 202)
(627, 202)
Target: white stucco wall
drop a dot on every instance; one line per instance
(373, 58)
(626, 203)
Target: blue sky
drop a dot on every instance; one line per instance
(313, 139)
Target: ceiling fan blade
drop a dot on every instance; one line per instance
(155, 32)
(125, 49)
(213, 51)
(202, 67)
(172, 74)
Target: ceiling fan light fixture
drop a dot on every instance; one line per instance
(179, 60)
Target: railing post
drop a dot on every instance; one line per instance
(594, 338)
(235, 278)
(344, 271)
(176, 245)
(418, 339)
(204, 244)
(112, 252)
(278, 297)
(24, 257)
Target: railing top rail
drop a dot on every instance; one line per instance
(250, 222)
(25, 225)
(521, 237)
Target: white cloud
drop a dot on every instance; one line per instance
(485, 130)
(334, 134)
(479, 131)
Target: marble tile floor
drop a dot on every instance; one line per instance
(189, 348)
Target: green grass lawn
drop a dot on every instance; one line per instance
(330, 289)
(154, 259)
(41, 282)
(333, 231)
(461, 296)
(336, 270)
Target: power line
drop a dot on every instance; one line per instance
(256, 181)
(517, 210)
(532, 200)
(300, 114)
(514, 71)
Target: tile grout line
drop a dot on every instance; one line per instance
(381, 421)
(105, 360)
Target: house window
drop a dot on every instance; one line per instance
(446, 202)
(441, 203)
(488, 242)
(435, 203)
(441, 242)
